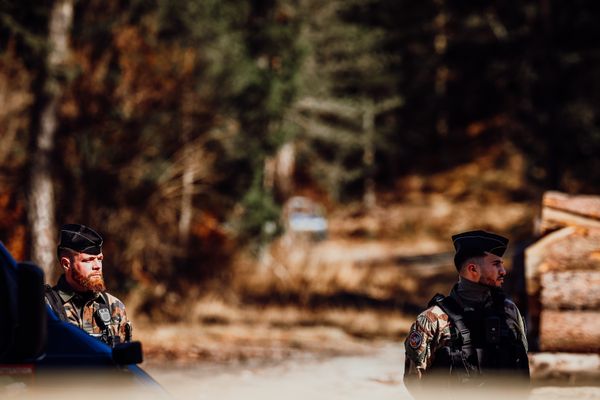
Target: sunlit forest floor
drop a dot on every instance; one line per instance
(364, 282)
(269, 334)
(299, 302)
(262, 362)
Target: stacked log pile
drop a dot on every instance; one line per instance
(563, 275)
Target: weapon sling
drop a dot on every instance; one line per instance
(55, 303)
(451, 308)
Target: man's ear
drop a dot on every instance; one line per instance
(473, 268)
(65, 263)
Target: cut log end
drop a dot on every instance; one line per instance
(570, 331)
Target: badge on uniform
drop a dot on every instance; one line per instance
(104, 315)
(415, 339)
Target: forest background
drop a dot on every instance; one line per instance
(179, 129)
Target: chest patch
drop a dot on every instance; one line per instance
(415, 339)
(104, 315)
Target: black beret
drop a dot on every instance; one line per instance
(80, 238)
(476, 244)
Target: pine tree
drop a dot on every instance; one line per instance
(349, 85)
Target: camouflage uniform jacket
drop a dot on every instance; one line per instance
(80, 310)
(432, 331)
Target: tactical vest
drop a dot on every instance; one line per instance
(482, 344)
(102, 316)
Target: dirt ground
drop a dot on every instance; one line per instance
(312, 362)
(374, 373)
(270, 338)
(238, 344)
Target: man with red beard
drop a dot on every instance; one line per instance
(79, 296)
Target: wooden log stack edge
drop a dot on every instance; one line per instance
(561, 367)
(563, 275)
(570, 290)
(570, 331)
(560, 210)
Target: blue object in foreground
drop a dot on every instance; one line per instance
(39, 351)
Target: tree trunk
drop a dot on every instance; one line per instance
(41, 206)
(188, 175)
(368, 127)
(440, 45)
(279, 172)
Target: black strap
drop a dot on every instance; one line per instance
(105, 297)
(55, 303)
(454, 312)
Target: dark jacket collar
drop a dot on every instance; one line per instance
(471, 294)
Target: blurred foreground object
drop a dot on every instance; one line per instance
(563, 281)
(40, 354)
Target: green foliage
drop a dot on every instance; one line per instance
(347, 75)
(470, 77)
(155, 87)
(258, 218)
(242, 76)
(24, 24)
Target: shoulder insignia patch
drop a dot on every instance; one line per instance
(415, 339)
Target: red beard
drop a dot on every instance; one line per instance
(93, 283)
